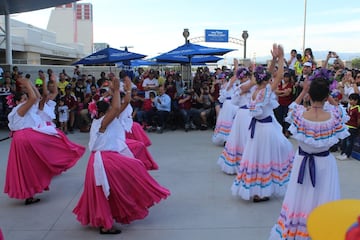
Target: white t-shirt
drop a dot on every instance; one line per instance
(63, 113)
(150, 83)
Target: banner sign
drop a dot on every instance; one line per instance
(212, 35)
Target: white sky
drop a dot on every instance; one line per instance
(155, 26)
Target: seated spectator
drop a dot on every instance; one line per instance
(138, 80)
(136, 103)
(170, 89)
(63, 82)
(207, 107)
(163, 108)
(196, 107)
(80, 89)
(84, 116)
(184, 104)
(8, 84)
(101, 80)
(150, 83)
(147, 107)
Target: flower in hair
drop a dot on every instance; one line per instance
(322, 73)
(242, 72)
(10, 100)
(93, 109)
(260, 74)
(326, 74)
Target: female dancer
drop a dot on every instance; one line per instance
(267, 158)
(137, 133)
(137, 147)
(227, 112)
(314, 179)
(31, 162)
(116, 186)
(234, 146)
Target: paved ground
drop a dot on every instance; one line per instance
(201, 205)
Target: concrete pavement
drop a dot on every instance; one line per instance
(201, 205)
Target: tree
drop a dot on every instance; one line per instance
(355, 63)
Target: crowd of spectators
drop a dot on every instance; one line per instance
(162, 100)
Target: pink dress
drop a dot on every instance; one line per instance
(38, 152)
(140, 152)
(1, 235)
(116, 187)
(138, 133)
(137, 147)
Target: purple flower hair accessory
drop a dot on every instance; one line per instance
(325, 74)
(261, 74)
(322, 73)
(242, 72)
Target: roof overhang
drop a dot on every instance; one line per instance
(19, 6)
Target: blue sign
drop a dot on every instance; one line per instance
(212, 35)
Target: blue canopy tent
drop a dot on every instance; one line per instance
(198, 59)
(136, 63)
(109, 55)
(190, 51)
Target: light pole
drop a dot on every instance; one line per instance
(245, 36)
(303, 46)
(187, 67)
(186, 34)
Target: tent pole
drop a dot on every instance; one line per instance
(8, 40)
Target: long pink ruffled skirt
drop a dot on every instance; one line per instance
(132, 192)
(141, 152)
(138, 133)
(35, 158)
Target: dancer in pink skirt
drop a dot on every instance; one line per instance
(37, 153)
(138, 133)
(116, 187)
(137, 147)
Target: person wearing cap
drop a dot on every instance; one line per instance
(150, 83)
(306, 72)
